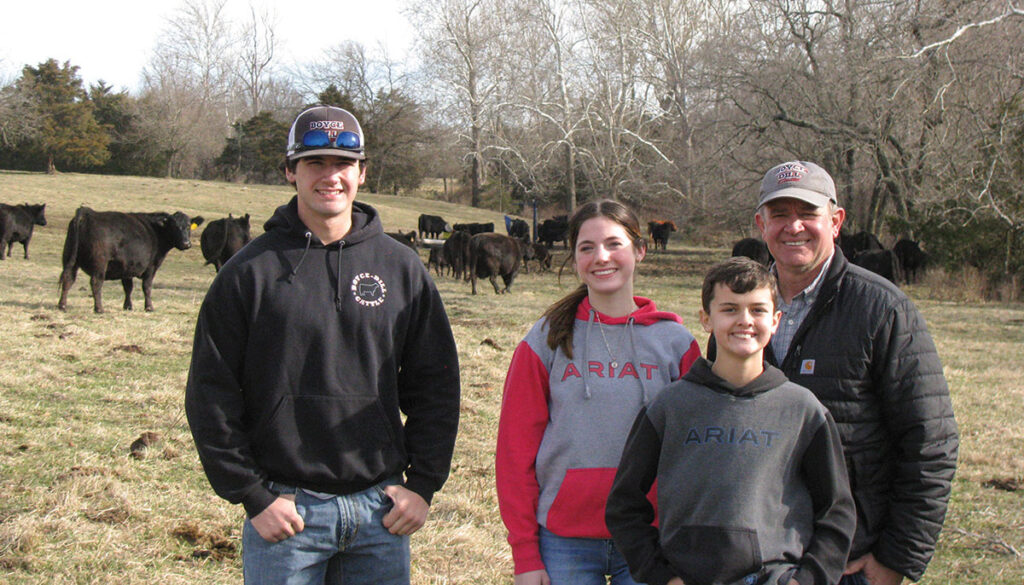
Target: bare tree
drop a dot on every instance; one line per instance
(254, 65)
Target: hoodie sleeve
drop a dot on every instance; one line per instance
(524, 418)
(835, 518)
(629, 514)
(689, 357)
(214, 403)
(429, 393)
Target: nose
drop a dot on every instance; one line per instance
(603, 254)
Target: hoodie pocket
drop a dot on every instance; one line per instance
(703, 555)
(328, 440)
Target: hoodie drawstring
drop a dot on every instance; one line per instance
(309, 239)
(337, 292)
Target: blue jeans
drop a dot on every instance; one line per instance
(582, 561)
(343, 541)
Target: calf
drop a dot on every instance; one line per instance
(492, 255)
(911, 258)
(881, 262)
(16, 225)
(432, 226)
(754, 249)
(222, 238)
(408, 239)
(659, 231)
(435, 259)
(553, 230)
(110, 245)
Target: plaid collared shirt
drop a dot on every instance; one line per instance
(794, 313)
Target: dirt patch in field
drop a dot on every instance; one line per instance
(213, 544)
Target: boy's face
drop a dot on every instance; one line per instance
(742, 323)
(326, 185)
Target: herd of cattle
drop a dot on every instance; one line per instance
(113, 245)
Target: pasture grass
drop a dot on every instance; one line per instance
(77, 390)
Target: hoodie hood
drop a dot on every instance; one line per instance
(646, 314)
(365, 223)
(700, 373)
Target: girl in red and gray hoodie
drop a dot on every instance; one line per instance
(573, 389)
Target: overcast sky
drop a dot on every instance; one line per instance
(113, 40)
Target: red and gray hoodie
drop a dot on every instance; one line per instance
(564, 422)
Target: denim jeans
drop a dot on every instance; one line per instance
(582, 561)
(343, 542)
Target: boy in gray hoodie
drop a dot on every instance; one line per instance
(752, 487)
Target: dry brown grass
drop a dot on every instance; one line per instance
(77, 390)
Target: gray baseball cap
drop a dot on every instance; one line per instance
(798, 179)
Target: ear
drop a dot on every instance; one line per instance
(641, 251)
(776, 319)
(837, 221)
(705, 320)
(759, 222)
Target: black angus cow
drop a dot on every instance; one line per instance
(111, 245)
(432, 226)
(436, 260)
(659, 231)
(911, 258)
(858, 242)
(555, 229)
(517, 228)
(881, 262)
(16, 225)
(409, 239)
(455, 252)
(222, 238)
(492, 255)
(474, 228)
(753, 248)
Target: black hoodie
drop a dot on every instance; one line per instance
(305, 358)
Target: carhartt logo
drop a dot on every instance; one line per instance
(807, 367)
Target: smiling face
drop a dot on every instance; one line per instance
(326, 187)
(799, 235)
(742, 323)
(605, 258)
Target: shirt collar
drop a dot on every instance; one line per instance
(809, 294)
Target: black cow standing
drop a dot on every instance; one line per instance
(911, 258)
(455, 251)
(881, 262)
(16, 225)
(492, 255)
(222, 238)
(111, 245)
(555, 229)
(518, 228)
(474, 228)
(659, 231)
(432, 226)
(858, 242)
(753, 248)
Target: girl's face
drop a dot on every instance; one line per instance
(605, 257)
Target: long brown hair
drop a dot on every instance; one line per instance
(561, 315)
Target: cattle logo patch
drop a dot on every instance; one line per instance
(369, 290)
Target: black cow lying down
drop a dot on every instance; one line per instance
(111, 245)
(16, 224)
(222, 238)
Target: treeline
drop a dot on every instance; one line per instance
(675, 106)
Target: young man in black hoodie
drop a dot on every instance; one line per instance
(311, 344)
(751, 483)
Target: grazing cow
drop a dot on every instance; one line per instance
(456, 252)
(881, 262)
(659, 231)
(492, 255)
(475, 228)
(555, 229)
(432, 226)
(408, 239)
(16, 225)
(222, 238)
(518, 228)
(911, 258)
(753, 248)
(110, 245)
(858, 242)
(538, 252)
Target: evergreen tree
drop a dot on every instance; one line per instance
(255, 152)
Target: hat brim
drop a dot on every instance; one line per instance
(813, 197)
(328, 152)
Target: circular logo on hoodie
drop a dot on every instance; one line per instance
(369, 290)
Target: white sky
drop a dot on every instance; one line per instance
(113, 40)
